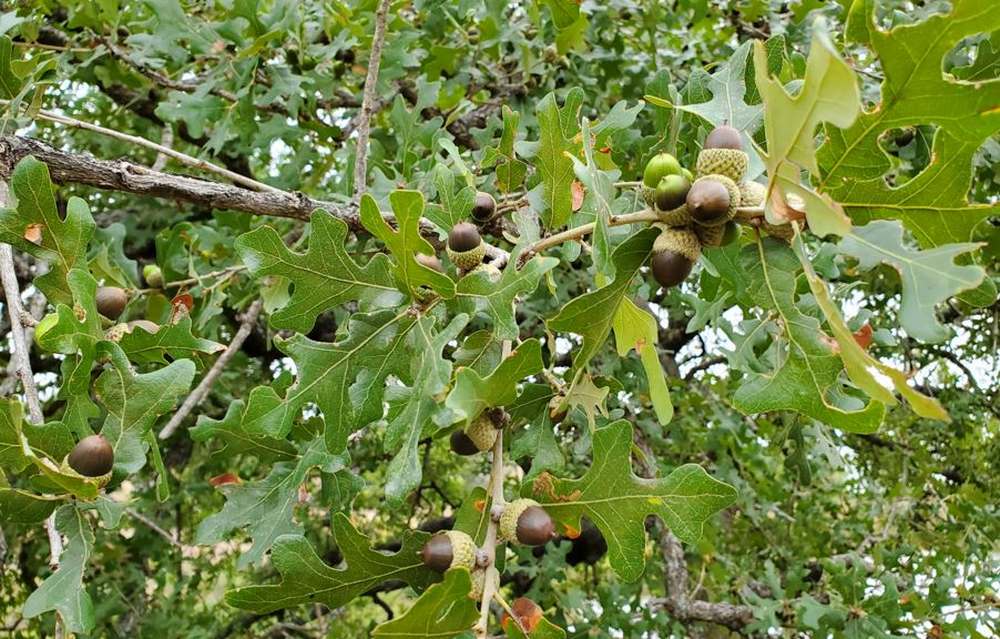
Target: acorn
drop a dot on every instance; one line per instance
(671, 192)
(462, 444)
(525, 521)
(752, 193)
(449, 549)
(483, 207)
(430, 261)
(482, 432)
(146, 325)
(465, 246)
(713, 199)
(674, 253)
(558, 410)
(92, 456)
(724, 137)
(527, 613)
(153, 275)
(492, 272)
(660, 166)
(111, 301)
(723, 154)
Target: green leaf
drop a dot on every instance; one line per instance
(592, 315)
(618, 501)
(510, 170)
(404, 244)
(306, 579)
(134, 401)
(927, 277)
(807, 367)
(933, 205)
(173, 340)
(77, 327)
(552, 161)
(444, 610)
(636, 329)
(21, 507)
(496, 299)
(600, 196)
(237, 440)
(323, 277)
(431, 376)
(829, 93)
(452, 204)
(473, 393)
(200, 110)
(61, 242)
(10, 84)
(857, 361)
(480, 351)
(544, 630)
(728, 104)
(64, 591)
(266, 507)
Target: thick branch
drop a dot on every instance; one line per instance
(364, 125)
(199, 393)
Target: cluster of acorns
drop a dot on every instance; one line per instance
(522, 521)
(701, 212)
(466, 248)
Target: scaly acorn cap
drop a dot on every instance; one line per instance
(676, 217)
(781, 231)
(752, 193)
(482, 432)
(649, 197)
(479, 582)
(463, 549)
(710, 235)
(732, 163)
(681, 240)
(467, 260)
(524, 521)
(732, 189)
(491, 271)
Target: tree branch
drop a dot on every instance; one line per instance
(199, 393)
(364, 125)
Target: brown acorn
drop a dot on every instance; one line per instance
(92, 456)
(462, 444)
(111, 301)
(724, 137)
(483, 207)
(708, 201)
(526, 522)
(675, 251)
(449, 549)
(670, 268)
(463, 237)
(430, 261)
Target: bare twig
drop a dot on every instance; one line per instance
(152, 525)
(199, 393)
(364, 126)
(55, 552)
(36, 307)
(167, 140)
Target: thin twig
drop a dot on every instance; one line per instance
(167, 140)
(199, 393)
(364, 126)
(152, 525)
(229, 270)
(197, 163)
(495, 491)
(55, 552)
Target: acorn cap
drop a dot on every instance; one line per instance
(483, 207)
(752, 193)
(463, 549)
(677, 217)
(111, 301)
(491, 271)
(724, 137)
(732, 163)
(711, 235)
(713, 199)
(671, 192)
(461, 444)
(92, 456)
(680, 240)
(430, 261)
(463, 237)
(482, 432)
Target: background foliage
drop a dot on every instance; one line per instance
(849, 507)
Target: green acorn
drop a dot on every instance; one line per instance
(482, 432)
(671, 192)
(674, 253)
(153, 275)
(713, 199)
(465, 246)
(524, 521)
(660, 166)
(752, 193)
(448, 550)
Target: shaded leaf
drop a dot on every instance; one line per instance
(444, 610)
